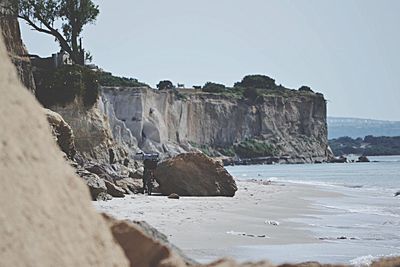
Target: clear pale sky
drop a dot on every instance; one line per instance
(348, 50)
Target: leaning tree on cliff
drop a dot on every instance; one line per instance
(44, 15)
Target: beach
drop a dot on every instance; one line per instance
(212, 227)
(331, 213)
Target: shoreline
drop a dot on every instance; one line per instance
(207, 228)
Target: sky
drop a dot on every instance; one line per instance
(349, 50)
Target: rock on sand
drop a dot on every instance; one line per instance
(194, 174)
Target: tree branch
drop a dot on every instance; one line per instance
(34, 26)
(50, 30)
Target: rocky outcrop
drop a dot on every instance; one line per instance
(130, 185)
(17, 51)
(194, 174)
(173, 121)
(46, 218)
(114, 190)
(93, 137)
(96, 185)
(62, 132)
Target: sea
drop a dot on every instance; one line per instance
(357, 227)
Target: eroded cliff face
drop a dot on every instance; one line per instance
(92, 133)
(16, 49)
(170, 121)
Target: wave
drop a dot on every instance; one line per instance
(380, 211)
(368, 259)
(379, 190)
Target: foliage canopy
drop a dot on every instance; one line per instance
(61, 86)
(257, 81)
(44, 16)
(213, 87)
(164, 85)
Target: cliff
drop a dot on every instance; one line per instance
(46, 218)
(92, 133)
(173, 121)
(16, 49)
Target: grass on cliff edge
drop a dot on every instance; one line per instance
(107, 79)
(249, 148)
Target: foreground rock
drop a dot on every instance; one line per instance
(46, 218)
(194, 174)
(163, 239)
(150, 252)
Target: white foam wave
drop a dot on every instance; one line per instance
(363, 261)
(368, 259)
(363, 210)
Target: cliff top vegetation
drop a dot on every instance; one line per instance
(62, 19)
(108, 79)
(254, 88)
(367, 146)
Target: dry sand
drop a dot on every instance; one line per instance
(200, 225)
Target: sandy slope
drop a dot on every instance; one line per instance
(45, 214)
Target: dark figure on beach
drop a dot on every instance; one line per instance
(150, 166)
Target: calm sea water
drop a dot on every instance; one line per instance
(366, 216)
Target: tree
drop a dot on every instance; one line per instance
(257, 81)
(163, 85)
(213, 87)
(43, 15)
(305, 88)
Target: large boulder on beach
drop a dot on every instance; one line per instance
(46, 218)
(194, 174)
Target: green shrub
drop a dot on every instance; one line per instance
(165, 85)
(305, 89)
(91, 87)
(254, 148)
(180, 96)
(229, 152)
(63, 85)
(107, 79)
(210, 87)
(257, 81)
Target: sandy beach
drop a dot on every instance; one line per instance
(208, 227)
